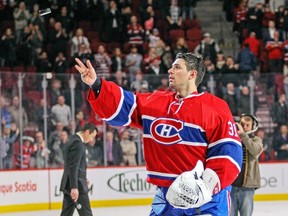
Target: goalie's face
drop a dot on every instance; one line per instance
(179, 76)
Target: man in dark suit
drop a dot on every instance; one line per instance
(74, 181)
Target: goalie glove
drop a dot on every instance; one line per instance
(189, 190)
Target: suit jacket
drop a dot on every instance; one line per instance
(75, 166)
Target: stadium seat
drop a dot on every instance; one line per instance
(96, 26)
(174, 34)
(34, 96)
(191, 23)
(18, 69)
(279, 84)
(192, 45)
(85, 25)
(5, 69)
(92, 35)
(194, 34)
(94, 45)
(31, 69)
(7, 24)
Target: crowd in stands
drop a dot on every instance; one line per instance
(132, 43)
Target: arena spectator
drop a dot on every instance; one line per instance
(149, 57)
(230, 74)
(61, 65)
(208, 47)
(247, 62)
(56, 155)
(80, 120)
(129, 149)
(268, 15)
(10, 133)
(279, 112)
(5, 115)
(84, 53)
(275, 50)
(113, 152)
(154, 38)
(40, 118)
(14, 109)
(231, 99)
(41, 155)
(280, 143)
(154, 73)
(61, 112)
(102, 62)
(65, 19)
(149, 21)
(239, 19)
(95, 153)
(268, 34)
(174, 15)
(21, 18)
(113, 24)
(254, 19)
(43, 65)
(133, 62)
(167, 57)
(77, 40)
(118, 60)
(244, 101)
(220, 61)
(8, 48)
(139, 81)
(38, 20)
(164, 86)
(268, 152)
(121, 80)
(187, 8)
(23, 160)
(180, 46)
(36, 41)
(59, 40)
(253, 43)
(135, 34)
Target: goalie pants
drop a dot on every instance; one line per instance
(218, 206)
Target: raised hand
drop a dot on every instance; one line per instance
(88, 74)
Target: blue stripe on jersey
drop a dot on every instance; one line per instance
(161, 177)
(124, 114)
(188, 134)
(233, 149)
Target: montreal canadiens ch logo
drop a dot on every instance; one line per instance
(166, 131)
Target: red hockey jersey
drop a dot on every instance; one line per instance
(176, 132)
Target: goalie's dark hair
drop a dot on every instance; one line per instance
(194, 62)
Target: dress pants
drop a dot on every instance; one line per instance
(69, 205)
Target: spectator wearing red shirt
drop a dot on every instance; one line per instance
(275, 50)
(253, 43)
(28, 150)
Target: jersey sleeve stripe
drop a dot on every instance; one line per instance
(127, 105)
(160, 175)
(225, 157)
(226, 148)
(224, 140)
(118, 108)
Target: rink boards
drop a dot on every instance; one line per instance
(114, 186)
